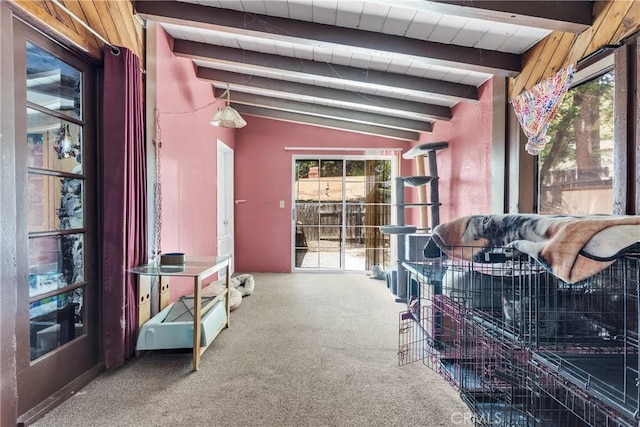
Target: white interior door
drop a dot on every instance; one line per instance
(225, 202)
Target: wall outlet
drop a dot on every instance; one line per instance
(282, 203)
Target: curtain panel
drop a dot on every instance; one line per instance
(124, 202)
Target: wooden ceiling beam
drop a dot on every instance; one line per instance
(412, 109)
(442, 89)
(328, 112)
(572, 16)
(194, 15)
(327, 122)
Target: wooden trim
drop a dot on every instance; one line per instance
(431, 111)
(21, 32)
(613, 21)
(620, 130)
(63, 394)
(115, 35)
(215, 54)
(580, 48)
(521, 174)
(373, 118)
(498, 146)
(8, 271)
(630, 22)
(92, 18)
(572, 17)
(81, 354)
(633, 146)
(552, 56)
(546, 50)
(43, 20)
(328, 123)
(76, 8)
(615, 12)
(122, 13)
(564, 45)
(195, 15)
(113, 20)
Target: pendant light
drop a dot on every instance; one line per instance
(228, 117)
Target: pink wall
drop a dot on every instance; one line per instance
(263, 178)
(464, 167)
(263, 168)
(188, 157)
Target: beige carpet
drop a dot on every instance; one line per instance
(303, 350)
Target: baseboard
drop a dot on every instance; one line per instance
(38, 411)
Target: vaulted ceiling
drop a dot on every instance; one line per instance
(381, 67)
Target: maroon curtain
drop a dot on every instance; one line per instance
(124, 201)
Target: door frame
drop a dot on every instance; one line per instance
(70, 366)
(225, 199)
(8, 232)
(315, 156)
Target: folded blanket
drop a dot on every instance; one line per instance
(571, 247)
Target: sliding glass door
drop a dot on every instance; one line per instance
(339, 205)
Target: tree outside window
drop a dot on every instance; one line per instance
(576, 166)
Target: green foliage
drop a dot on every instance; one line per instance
(303, 167)
(562, 133)
(331, 168)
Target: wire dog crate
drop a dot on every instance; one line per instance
(555, 395)
(522, 346)
(594, 344)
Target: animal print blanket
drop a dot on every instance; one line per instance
(571, 247)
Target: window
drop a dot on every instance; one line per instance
(575, 170)
(56, 201)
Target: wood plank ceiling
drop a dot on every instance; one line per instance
(382, 67)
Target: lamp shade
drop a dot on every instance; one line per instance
(228, 117)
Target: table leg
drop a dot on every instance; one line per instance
(197, 323)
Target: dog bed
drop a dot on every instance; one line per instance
(216, 288)
(240, 286)
(243, 283)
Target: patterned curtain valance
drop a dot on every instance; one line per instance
(536, 108)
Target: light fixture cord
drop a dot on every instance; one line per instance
(157, 206)
(227, 95)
